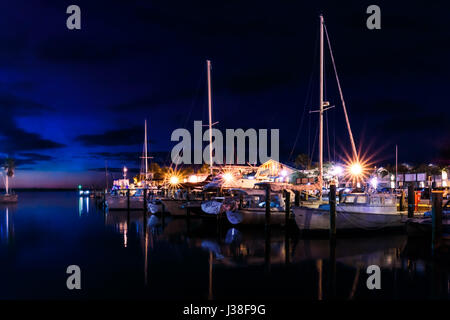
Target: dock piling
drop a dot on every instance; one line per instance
(128, 199)
(401, 206)
(267, 206)
(436, 212)
(411, 204)
(297, 198)
(332, 201)
(287, 204)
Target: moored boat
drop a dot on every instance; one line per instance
(361, 211)
(251, 208)
(9, 198)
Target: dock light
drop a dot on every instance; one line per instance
(228, 177)
(174, 180)
(356, 169)
(79, 187)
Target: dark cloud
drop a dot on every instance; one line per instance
(15, 139)
(28, 158)
(120, 137)
(17, 106)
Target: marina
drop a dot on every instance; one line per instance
(212, 153)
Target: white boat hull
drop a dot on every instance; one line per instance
(121, 202)
(177, 207)
(211, 207)
(309, 219)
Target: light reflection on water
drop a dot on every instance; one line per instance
(130, 255)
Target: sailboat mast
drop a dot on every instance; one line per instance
(208, 69)
(145, 150)
(321, 111)
(396, 165)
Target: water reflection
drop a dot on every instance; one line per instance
(338, 269)
(83, 206)
(6, 225)
(174, 258)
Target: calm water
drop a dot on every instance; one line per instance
(131, 256)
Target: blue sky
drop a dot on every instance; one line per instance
(71, 100)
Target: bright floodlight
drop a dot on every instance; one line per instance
(356, 169)
(173, 180)
(227, 177)
(284, 173)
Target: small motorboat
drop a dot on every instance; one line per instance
(251, 208)
(9, 198)
(422, 227)
(155, 206)
(357, 211)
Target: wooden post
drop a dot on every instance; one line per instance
(402, 201)
(297, 198)
(341, 194)
(145, 200)
(436, 214)
(128, 199)
(332, 201)
(411, 205)
(267, 205)
(287, 204)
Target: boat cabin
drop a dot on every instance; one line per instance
(369, 199)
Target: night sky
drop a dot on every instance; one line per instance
(71, 99)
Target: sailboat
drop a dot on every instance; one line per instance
(356, 211)
(179, 207)
(118, 199)
(8, 197)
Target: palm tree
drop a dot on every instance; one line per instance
(303, 161)
(10, 167)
